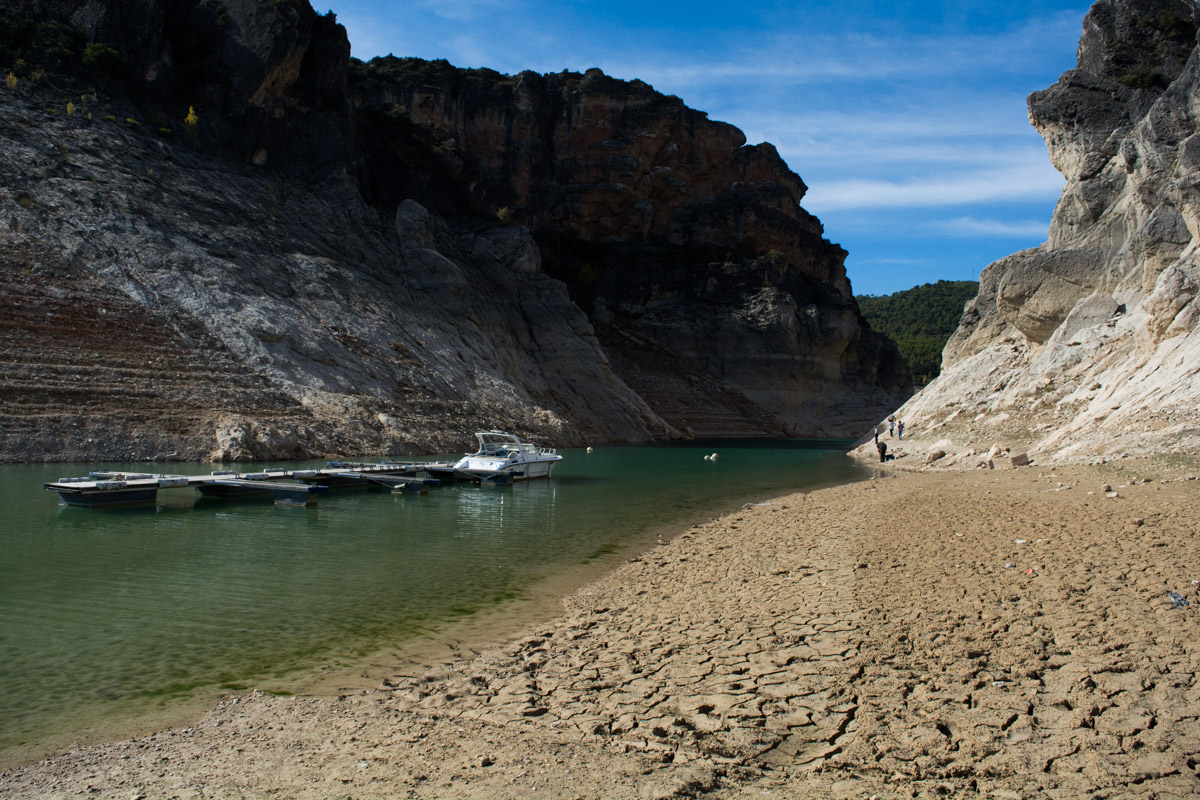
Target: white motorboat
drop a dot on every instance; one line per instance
(502, 458)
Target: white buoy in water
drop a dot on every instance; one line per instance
(708, 458)
(714, 456)
(589, 449)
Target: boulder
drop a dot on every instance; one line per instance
(1173, 292)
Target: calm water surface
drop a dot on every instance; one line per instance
(113, 614)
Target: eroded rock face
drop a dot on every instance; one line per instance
(325, 273)
(604, 159)
(194, 311)
(687, 247)
(267, 79)
(178, 298)
(1087, 345)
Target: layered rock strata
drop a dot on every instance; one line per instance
(291, 263)
(210, 312)
(1087, 347)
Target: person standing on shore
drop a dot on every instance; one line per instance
(891, 426)
(900, 430)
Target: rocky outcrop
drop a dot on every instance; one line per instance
(268, 80)
(606, 160)
(223, 238)
(1087, 346)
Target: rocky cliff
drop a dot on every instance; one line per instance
(1087, 346)
(221, 237)
(713, 291)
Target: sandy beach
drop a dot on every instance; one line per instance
(997, 633)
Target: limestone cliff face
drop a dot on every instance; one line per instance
(304, 270)
(267, 78)
(1088, 345)
(607, 160)
(227, 292)
(678, 238)
(193, 309)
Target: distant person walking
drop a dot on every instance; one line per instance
(900, 429)
(891, 426)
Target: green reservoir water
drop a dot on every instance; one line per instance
(107, 617)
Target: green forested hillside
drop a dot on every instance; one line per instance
(919, 321)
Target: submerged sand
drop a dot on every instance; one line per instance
(994, 633)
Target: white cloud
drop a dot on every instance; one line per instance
(971, 227)
(505, 37)
(895, 147)
(804, 59)
(942, 116)
(1028, 182)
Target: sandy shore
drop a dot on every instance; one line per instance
(1000, 633)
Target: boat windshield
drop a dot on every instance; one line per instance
(498, 444)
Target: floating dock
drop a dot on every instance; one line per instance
(285, 487)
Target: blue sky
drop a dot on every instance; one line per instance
(907, 120)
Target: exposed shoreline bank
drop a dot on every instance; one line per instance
(1003, 630)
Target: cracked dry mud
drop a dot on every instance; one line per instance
(1000, 634)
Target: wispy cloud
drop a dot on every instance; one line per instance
(971, 227)
(926, 116)
(1023, 183)
(801, 60)
(800, 57)
(898, 144)
(501, 35)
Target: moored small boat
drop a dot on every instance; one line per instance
(503, 457)
(105, 492)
